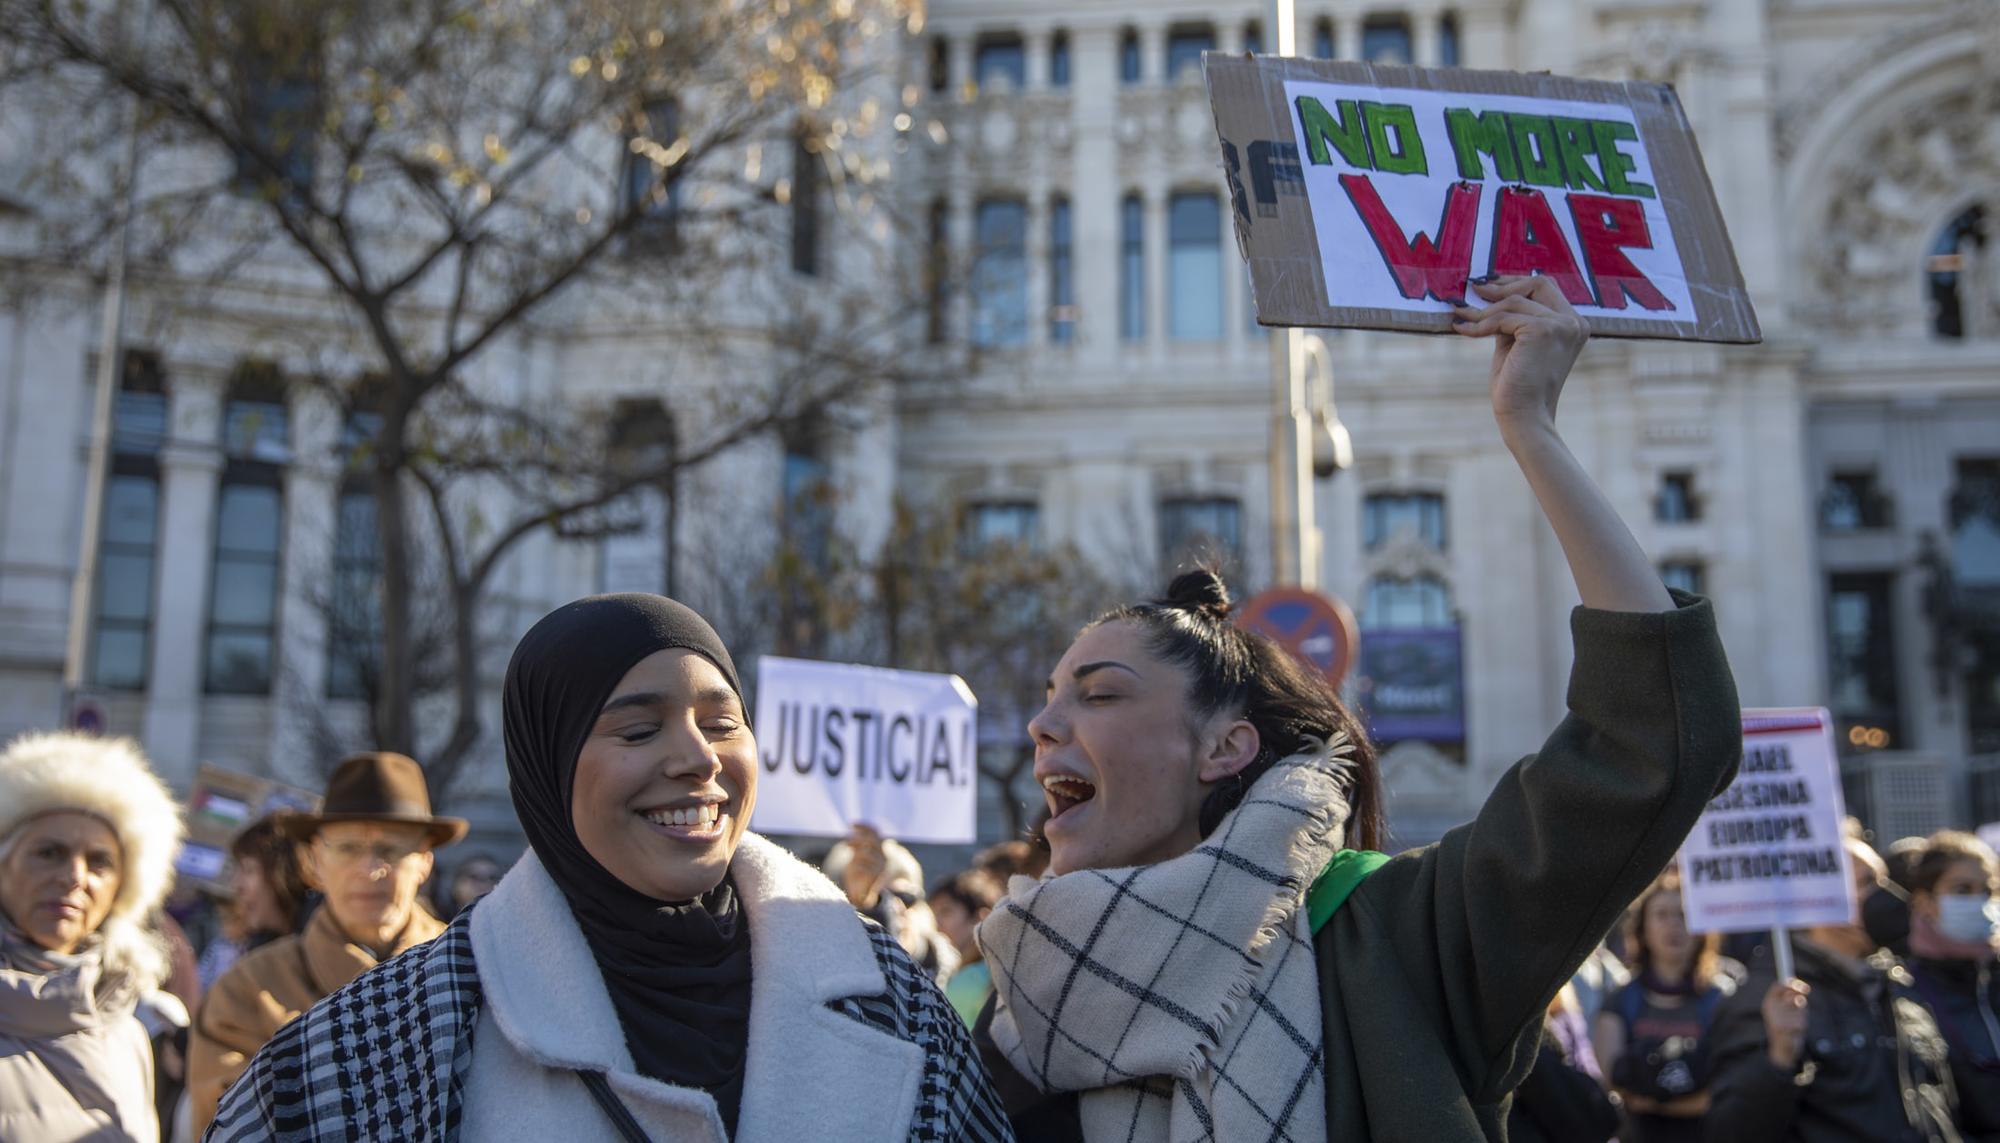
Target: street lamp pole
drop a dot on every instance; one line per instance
(1295, 541)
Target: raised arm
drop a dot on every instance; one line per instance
(1536, 338)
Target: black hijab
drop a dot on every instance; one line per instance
(678, 972)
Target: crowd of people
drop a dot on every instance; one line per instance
(1216, 948)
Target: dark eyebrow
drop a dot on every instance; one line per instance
(636, 698)
(1092, 668)
(722, 696)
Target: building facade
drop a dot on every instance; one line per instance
(1835, 489)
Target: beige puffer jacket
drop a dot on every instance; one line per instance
(74, 1065)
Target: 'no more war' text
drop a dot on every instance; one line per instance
(1589, 162)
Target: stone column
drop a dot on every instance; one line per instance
(1484, 38)
(959, 57)
(1152, 51)
(960, 242)
(1424, 36)
(190, 474)
(1095, 197)
(1347, 36)
(1157, 284)
(1036, 261)
(1035, 48)
(312, 502)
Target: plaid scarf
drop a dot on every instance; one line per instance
(1182, 998)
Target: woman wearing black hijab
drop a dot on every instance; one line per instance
(648, 970)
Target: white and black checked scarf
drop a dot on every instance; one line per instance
(1181, 998)
(385, 1058)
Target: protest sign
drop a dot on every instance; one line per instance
(840, 744)
(1768, 853)
(220, 805)
(1366, 194)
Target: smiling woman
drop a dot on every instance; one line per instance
(649, 969)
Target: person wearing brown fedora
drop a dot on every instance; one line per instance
(368, 850)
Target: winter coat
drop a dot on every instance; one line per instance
(267, 989)
(1874, 1069)
(481, 1034)
(75, 1065)
(1965, 998)
(1436, 972)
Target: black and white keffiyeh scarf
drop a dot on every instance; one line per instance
(1182, 998)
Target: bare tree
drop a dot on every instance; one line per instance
(452, 176)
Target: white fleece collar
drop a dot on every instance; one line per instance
(807, 947)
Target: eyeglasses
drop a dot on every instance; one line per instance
(352, 852)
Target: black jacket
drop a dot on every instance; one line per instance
(1559, 1104)
(1874, 1068)
(1965, 998)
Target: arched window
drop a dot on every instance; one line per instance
(1129, 69)
(249, 526)
(1132, 269)
(1194, 267)
(1000, 273)
(354, 601)
(1185, 44)
(1059, 61)
(649, 195)
(641, 556)
(128, 537)
(1956, 266)
(1419, 602)
(1062, 274)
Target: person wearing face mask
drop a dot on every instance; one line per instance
(1217, 953)
(1952, 933)
(648, 970)
(1844, 1052)
(87, 840)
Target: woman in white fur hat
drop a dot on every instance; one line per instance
(87, 840)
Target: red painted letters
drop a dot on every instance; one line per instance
(1422, 267)
(1527, 240)
(1605, 226)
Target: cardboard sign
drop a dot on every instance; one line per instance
(1365, 195)
(840, 744)
(220, 805)
(1768, 852)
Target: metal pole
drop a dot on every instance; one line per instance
(1294, 546)
(110, 358)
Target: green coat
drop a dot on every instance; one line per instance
(1435, 973)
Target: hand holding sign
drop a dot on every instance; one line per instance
(1538, 336)
(1785, 1022)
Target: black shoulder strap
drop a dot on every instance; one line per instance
(614, 1108)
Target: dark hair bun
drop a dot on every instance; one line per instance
(1200, 590)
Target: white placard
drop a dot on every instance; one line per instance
(840, 744)
(1409, 189)
(1768, 852)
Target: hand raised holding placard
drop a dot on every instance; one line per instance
(1537, 337)
(1785, 1022)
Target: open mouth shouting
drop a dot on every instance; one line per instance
(1065, 793)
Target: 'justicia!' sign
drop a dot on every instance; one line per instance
(1367, 196)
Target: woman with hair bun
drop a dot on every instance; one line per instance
(1217, 953)
(87, 841)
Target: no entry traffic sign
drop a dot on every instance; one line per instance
(1319, 629)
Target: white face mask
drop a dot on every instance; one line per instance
(1966, 918)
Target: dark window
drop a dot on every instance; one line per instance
(1184, 48)
(1128, 58)
(639, 554)
(1675, 502)
(1420, 602)
(1059, 60)
(1853, 503)
(1201, 529)
(1685, 575)
(249, 530)
(649, 194)
(937, 272)
(1386, 39)
(1253, 37)
(1132, 269)
(1385, 514)
(128, 533)
(1012, 522)
(807, 175)
(1957, 251)
(1323, 39)
(1448, 40)
(1194, 267)
(1975, 524)
(1001, 62)
(280, 118)
(940, 64)
(354, 614)
(1000, 274)
(807, 518)
(1861, 660)
(1975, 543)
(1062, 284)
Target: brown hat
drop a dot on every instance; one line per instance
(377, 787)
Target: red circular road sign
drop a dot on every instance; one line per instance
(1318, 628)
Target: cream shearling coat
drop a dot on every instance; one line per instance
(810, 1073)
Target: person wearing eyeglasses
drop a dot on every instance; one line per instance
(368, 850)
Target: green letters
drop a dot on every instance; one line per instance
(1407, 157)
(1535, 146)
(1347, 133)
(1473, 132)
(1573, 143)
(1617, 165)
